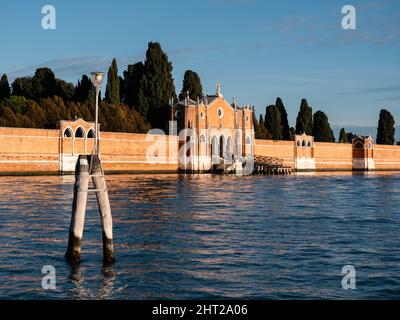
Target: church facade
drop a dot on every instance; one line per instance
(214, 135)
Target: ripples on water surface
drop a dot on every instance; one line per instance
(210, 237)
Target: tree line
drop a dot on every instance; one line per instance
(274, 125)
(139, 100)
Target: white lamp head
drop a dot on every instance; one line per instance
(97, 78)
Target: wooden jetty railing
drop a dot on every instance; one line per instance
(264, 165)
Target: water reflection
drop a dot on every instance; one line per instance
(81, 289)
(205, 236)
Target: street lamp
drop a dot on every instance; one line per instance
(97, 79)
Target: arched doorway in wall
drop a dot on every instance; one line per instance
(214, 147)
(358, 150)
(221, 146)
(229, 148)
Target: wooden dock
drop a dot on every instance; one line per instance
(264, 165)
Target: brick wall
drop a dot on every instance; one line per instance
(25, 151)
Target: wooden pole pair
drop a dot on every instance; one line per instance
(89, 166)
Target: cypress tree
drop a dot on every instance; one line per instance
(292, 132)
(322, 131)
(84, 91)
(44, 84)
(350, 136)
(386, 128)
(156, 87)
(343, 136)
(5, 91)
(191, 83)
(112, 88)
(304, 118)
(22, 87)
(132, 77)
(284, 119)
(273, 122)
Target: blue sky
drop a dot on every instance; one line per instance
(258, 50)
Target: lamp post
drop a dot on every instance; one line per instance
(97, 79)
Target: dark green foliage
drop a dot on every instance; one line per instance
(44, 84)
(386, 128)
(273, 122)
(191, 83)
(22, 87)
(304, 118)
(322, 131)
(4, 87)
(264, 133)
(65, 90)
(260, 131)
(292, 131)
(343, 136)
(121, 89)
(156, 87)
(121, 118)
(284, 119)
(132, 77)
(350, 136)
(84, 91)
(256, 126)
(112, 89)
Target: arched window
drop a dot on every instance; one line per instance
(298, 143)
(304, 143)
(358, 145)
(67, 133)
(202, 139)
(91, 134)
(229, 148)
(221, 146)
(248, 140)
(80, 133)
(309, 144)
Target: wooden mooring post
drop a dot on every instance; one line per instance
(89, 166)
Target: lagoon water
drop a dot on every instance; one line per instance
(207, 237)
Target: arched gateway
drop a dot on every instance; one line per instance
(218, 123)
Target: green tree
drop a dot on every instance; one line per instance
(191, 84)
(343, 136)
(386, 128)
(4, 87)
(264, 133)
(292, 131)
(22, 87)
(350, 136)
(273, 122)
(132, 77)
(84, 90)
(284, 119)
(304, 118)
(156, 87)
(44, 84)
(322, 131)
(112, 88)
(65, 90)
